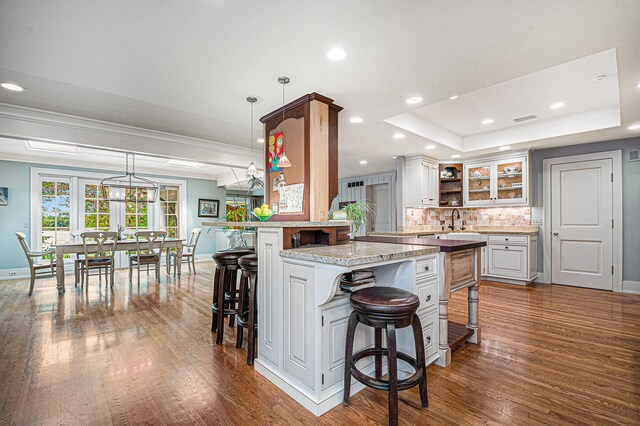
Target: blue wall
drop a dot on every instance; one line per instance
(16, 176)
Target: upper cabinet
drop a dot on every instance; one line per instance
(497, 182)
(422, 183)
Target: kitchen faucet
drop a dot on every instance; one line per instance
(452, 226)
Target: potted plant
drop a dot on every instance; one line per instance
(358, 213)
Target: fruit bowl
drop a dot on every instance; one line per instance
(262, 217)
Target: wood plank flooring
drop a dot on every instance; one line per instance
(144, 354)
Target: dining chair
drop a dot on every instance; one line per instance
(188, 253)
(36, 270)
(99, 248)
(147, 242)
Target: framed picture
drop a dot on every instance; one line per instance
(4, 196)
(208, 208)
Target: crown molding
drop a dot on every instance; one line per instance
(28, 123)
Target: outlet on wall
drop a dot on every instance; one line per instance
(13, 273)
(536, 222)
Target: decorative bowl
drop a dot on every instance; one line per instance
(262, 217)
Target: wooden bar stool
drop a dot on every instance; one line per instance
(224, 288)
(247, 306)
(386, 308)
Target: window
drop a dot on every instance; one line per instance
(170, 210)
(97, 211)
(136, 212)
(55, 212)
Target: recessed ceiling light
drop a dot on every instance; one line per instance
(414, 100)
(356, 119)
(634, 127)
(505, 148)
(363, 161)
(488, 121)
(430, 147)
(336, 54)
(186, 164)
(394, 157)
(455, 156)
(399, 136)
(599, 77)
(260, 140)
(638, 86)
(52, 147)
(11, 86)
(557, 105)
(453, 97)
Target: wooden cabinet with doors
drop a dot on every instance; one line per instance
(497, 182)
(422, 182)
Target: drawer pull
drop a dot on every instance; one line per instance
(506, 239)
(426, 268)
(506, 248)
(428, 298)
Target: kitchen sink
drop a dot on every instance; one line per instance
(471, 236)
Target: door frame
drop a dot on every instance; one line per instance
(616, 162)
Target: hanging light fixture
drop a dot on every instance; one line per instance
(283, 161)
(252, 170)
(129, 187)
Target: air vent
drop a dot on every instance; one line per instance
(634, 155)
(525, 118)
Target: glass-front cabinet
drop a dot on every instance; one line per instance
(496, 182)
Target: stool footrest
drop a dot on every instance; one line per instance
(365, 379)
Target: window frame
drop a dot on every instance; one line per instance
(39, 174)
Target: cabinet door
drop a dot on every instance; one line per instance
(334, 336)
(426, 197)
(298, 315)
(511, 181)
(414, 183)
(508, 261)
(434, 185)
(478, 184)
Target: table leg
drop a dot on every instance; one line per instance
(60, 272)
(179, 260)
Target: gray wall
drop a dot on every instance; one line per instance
(630, 196)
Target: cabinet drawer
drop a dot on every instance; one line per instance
(428, 295)
(513, 240)
(426, 267)
(430, 333)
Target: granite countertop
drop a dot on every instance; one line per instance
(513, 230)
(278, 224)
(358, 253)
(446, 246)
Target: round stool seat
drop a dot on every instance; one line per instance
(384, 301)
(249, 262)
(231, 256)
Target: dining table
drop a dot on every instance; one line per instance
(122, 245)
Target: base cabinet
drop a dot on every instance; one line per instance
(510, 257)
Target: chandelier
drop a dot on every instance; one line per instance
(129, 187)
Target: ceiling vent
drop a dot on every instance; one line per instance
(525, 118)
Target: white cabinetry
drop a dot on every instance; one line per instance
(512, 257)
(497, 182)
(422, 182)
(270, 295)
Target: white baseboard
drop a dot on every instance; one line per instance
(631, 287)
(21, 273)
(541, 278)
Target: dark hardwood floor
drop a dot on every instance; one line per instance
(144, 354)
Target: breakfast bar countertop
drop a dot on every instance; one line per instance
(445, 246)
(358, 253)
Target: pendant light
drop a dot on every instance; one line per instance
(129, 187)
(283, 161)
(252, 170)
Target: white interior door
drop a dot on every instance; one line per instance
(381, 222)
(582, 224)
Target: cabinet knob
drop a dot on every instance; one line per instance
(426, 268)
(506, 248)
(428, 298)
(555, 233)
(428, 339)
(506, 239)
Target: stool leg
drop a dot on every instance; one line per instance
(214, 316)
(348, 357)
(378, 345)
(419, 343)
(233, 282)
(392, 362)
(220, 314)
(241, 311)
(252, 319)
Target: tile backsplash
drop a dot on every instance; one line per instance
(494, 216)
